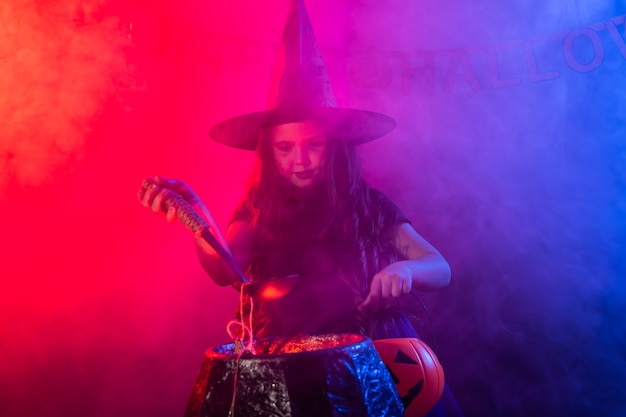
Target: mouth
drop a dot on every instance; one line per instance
(304, 175)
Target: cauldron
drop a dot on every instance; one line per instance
(303, 376)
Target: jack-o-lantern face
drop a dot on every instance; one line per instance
(416, 371)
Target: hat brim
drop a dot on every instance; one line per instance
(353, 126)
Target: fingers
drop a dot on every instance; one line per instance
(157, 201)
(383, 288)
(180, 188)
(171, 214)
(406, 286)
(386, 287)
(152, 196)
(146, 185)
(397, 288)
(151, 190)
(365, 304)
(148, 193)
(166, 182)
(373, 299)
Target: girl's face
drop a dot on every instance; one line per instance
(299, 150)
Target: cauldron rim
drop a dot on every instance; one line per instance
(342, 341)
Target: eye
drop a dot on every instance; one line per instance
(318, 144)
(283, 147)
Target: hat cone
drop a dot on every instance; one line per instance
(301, 90)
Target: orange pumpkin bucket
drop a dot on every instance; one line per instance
(417, 372)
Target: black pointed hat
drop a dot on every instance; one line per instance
(301, 90)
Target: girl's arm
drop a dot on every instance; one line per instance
(238, 243)
(424, 269)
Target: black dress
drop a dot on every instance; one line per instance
(329, 287)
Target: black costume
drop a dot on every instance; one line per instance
(309, 243)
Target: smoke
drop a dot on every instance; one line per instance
(513, 167)
(59, 62)
(508, 156)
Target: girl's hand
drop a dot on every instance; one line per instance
(152, 196)
(393, 281)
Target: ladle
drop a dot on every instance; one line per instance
(260, 290)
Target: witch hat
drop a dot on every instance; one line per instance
(301, 90)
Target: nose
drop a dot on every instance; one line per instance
(302, 156)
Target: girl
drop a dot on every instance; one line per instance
(309, 212)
